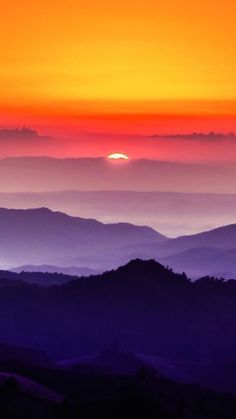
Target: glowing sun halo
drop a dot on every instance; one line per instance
(118, 156)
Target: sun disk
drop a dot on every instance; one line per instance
(118, 156)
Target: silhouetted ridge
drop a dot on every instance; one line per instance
(140, 266)
(143, 306)
(137, 270)
(149, 269)
(137, 276)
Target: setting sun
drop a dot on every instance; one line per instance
(118, 156)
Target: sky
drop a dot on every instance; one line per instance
(74, 69)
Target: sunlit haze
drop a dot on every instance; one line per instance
(121, 67)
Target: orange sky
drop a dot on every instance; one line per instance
(62, 59)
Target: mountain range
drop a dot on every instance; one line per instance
(42, 240)
(70, 270)
(142, 308)
(209, 253)
(40, 236)
(26, 174)
(196, 211)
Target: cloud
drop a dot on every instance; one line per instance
(24, 133)
(24, 141)
(198, 136)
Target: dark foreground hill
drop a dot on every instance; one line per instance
(32, 386)
(92, 395)
(97, 395)
(141, 307)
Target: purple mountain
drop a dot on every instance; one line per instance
(40, 236)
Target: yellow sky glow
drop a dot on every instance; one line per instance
(64, 53)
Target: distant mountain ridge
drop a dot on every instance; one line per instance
(70, 270)
(196, 212)
(19, 279)
(220, 238)
(26, 174)
(204, 261)
(211, 253)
